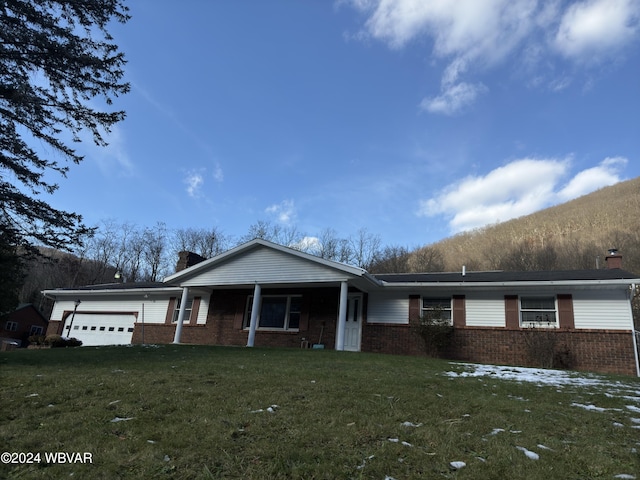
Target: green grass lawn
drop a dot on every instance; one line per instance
(195, 412)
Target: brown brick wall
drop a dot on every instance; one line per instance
(226, 312)
(606, 351)
(396, 339)
(54, 328)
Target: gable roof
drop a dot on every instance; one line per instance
(261, 261)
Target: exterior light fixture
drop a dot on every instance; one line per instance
(73, 316)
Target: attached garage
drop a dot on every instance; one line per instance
(101, 328)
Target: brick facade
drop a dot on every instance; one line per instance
(226, 314)
(607, 351)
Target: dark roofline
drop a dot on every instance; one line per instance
(504, 276)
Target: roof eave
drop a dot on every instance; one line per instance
(536, 283)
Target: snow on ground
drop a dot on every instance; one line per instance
(540, 376)
(629, 391)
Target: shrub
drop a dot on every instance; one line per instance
(36, 339)
(56, 341)
(542, 347)
(435, 331)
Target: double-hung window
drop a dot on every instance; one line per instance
(11, 326)
(277, 312)
(187, 310)
(538, 312)
(437, 309)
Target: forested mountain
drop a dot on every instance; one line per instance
(573, 235)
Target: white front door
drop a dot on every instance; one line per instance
(353, 324)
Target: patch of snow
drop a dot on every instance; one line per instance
(625, 476)
(544, 447)
(618, 424)
(539, 376)
(531, 455)
(114, 402)
(589, 407)
(496, 431)
(32, 395)
(411, 424)
(121, 419)
(364, 462)
(457, 465)
(633, 408)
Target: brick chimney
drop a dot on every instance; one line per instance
(613, 258)
(187, 259)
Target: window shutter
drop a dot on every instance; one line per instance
(414, 308)
(459, 311)
(241, 302)
(170, 309)
(565, 311)
(195, 307)
(511, 311)
(304, 314)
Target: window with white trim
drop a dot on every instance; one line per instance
(187, 310)
(437, 307)
(277, 312)
(538, 312)
(11, 326)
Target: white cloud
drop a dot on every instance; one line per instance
(605, 174)
(453, 99)
(308, 244)
(284, 211)
(111, 159)
(596, 28)
(518, 188)
(475, 35)
(194, 181)
(218, 174)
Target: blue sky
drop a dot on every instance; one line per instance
(414, 119)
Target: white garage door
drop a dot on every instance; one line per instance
(101, 329)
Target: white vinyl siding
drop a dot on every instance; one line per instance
(388, 308)
(603, 309)
(155, 309)
(264, 265)
(485, 311)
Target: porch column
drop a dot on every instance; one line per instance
(183, 307)
(255, 311)
(342, 316)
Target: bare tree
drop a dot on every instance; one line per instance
(392, 259)
(155, 247)
(288, 235)
(365, 248)
(426, 259)
(205, 242)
